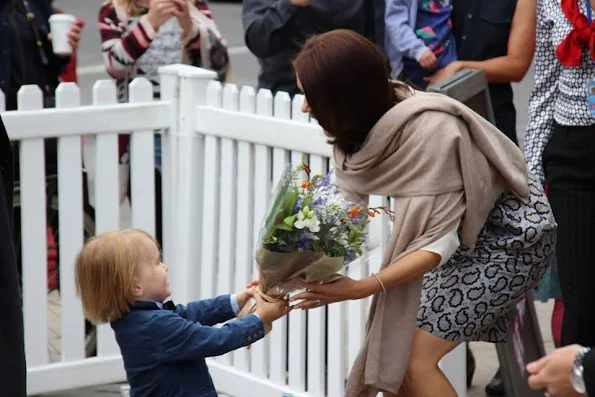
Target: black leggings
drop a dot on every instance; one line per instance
(569, 161)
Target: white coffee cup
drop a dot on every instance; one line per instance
(60, 25)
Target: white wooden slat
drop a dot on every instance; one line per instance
(142, 164)
(87, 120)
(227, 210)
(33, 236)
(210, 219)
(2, 101)
(70, 206)
(356, 316)
(190, 181)
(296, 112)
(244, 218)
(317, 321)
(169, 83)
(279, 335)
(107, 203)
(282, 110)
(375, 232)
(386, 227)
(259, 356)
(286, 134)
(297, 319)
(336, 364)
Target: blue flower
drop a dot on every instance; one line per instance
(299, 205)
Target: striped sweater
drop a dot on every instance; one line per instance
(133, 48)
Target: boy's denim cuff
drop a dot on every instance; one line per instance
(235, 306)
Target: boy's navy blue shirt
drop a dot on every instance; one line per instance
(164, 350)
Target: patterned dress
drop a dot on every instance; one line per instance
(470, 296)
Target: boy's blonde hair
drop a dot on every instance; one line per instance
(106, 272)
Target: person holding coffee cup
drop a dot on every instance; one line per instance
(26, 47)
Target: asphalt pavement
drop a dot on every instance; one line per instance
(245, 69)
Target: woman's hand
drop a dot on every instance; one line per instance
(183, 14)
(448, 71)
(160, 11)
(341, 290)
(74, 37)
(253, 283)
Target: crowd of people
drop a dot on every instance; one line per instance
(530, 226)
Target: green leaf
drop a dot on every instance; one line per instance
(290, 220)
(284, 226)
(290, 202)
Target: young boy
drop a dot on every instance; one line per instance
(419, 39)
(121, 281)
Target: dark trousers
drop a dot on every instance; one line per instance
(569, 161)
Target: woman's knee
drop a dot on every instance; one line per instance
(426, 352)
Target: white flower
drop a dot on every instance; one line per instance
(311, 221)
(344, 241)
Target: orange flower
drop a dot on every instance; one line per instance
(305, 184)
(372, 214)
(353, 211)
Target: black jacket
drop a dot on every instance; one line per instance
(12, 363)
(21, 61)
(275, 32)
(481, 29)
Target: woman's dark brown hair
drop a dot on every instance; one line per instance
(345, 78)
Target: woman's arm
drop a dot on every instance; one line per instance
(191, 39)
(121, 48)
(409, 267)
(541, 103)
(513, 66)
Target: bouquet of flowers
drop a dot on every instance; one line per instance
(309, 234)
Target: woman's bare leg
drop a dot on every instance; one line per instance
(423, 377)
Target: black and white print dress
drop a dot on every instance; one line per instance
(559, 94)
(470, 295)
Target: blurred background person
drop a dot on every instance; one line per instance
(138, 37)
(276, 30)
(560, 151)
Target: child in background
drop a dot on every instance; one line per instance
(121, 281)
(419, 39)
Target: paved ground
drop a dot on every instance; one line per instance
(245, 70)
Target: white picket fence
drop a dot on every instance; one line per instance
(223, 149)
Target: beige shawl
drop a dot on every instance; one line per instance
(440, 161)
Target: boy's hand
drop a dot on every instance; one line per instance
(428, 60)
(244, 296)
(269, 312)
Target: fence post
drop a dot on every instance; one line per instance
(169, 83)
(188, 199)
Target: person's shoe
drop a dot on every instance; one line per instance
(496, 386)
(470, 366)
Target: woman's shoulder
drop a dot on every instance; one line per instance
(425, 107)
